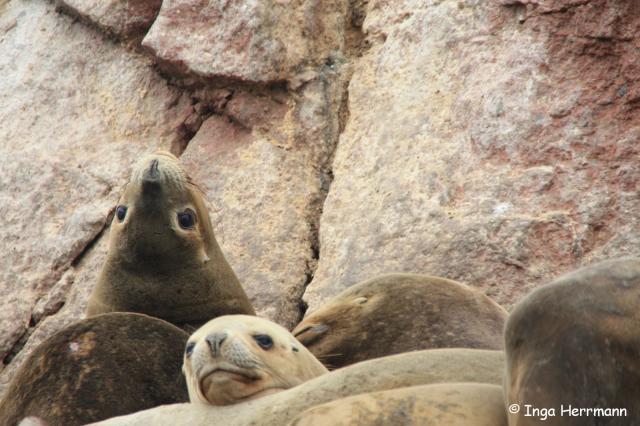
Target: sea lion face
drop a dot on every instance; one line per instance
(160, 216)
(326, 329)
(234, 358)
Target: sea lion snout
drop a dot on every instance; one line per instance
(152, 178)
(235, 358)
(152, 172)
(307, 334)
(215, 340)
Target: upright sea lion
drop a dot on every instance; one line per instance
(397, 313)
(96, 368)
(573, 349)
(446, 404)
(235, 358)
(163, 258)
(408, 369)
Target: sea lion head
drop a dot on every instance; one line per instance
(345, 318)
(235, 358)
(161, 216)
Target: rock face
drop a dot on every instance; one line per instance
(256, 41)
(76, 111)
(492, 144)
(121, 18)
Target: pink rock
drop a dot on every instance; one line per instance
(257, 41)
(76, 112)
(123, 18)
(496, 146)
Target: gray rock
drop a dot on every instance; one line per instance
(122, 18)
(485, 148)
(76, 111)
(263, 41)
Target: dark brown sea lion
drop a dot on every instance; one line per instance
(100, 367)
(573, 349)
(163, 258)
(398, 313)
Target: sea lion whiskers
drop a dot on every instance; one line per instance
(163, 258)
(238, 357)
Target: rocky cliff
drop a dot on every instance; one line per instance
(494, 142)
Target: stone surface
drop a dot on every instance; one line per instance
(398, 371)
(494, 145)
(76, 111)
(586, 320)
(264, 184)
(255, 41)
(122, 18)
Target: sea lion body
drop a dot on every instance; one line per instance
(97, 368)
(450, 404)
(403, 370)
(163, 259)
(575, 344)
(235, 358)
(397, 313)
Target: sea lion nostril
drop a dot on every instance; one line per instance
(152, 172)
(214, 340)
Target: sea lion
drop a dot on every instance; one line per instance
(450, 404)
(573, 345)
(408, 369)
(235, 358)
(163, 258)
(96, 368)
(397, 313)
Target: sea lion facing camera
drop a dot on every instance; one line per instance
(235, 358)
(163, 257)
(397, 313)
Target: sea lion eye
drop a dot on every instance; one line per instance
(187, 219)
(121, 213)
(264, 341)
(189, 350)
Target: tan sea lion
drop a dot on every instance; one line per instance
(412, 311)
(163, 258)
(96, 368)
(573, 347)
(235, 358)
(408, 369)
(447, 404)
